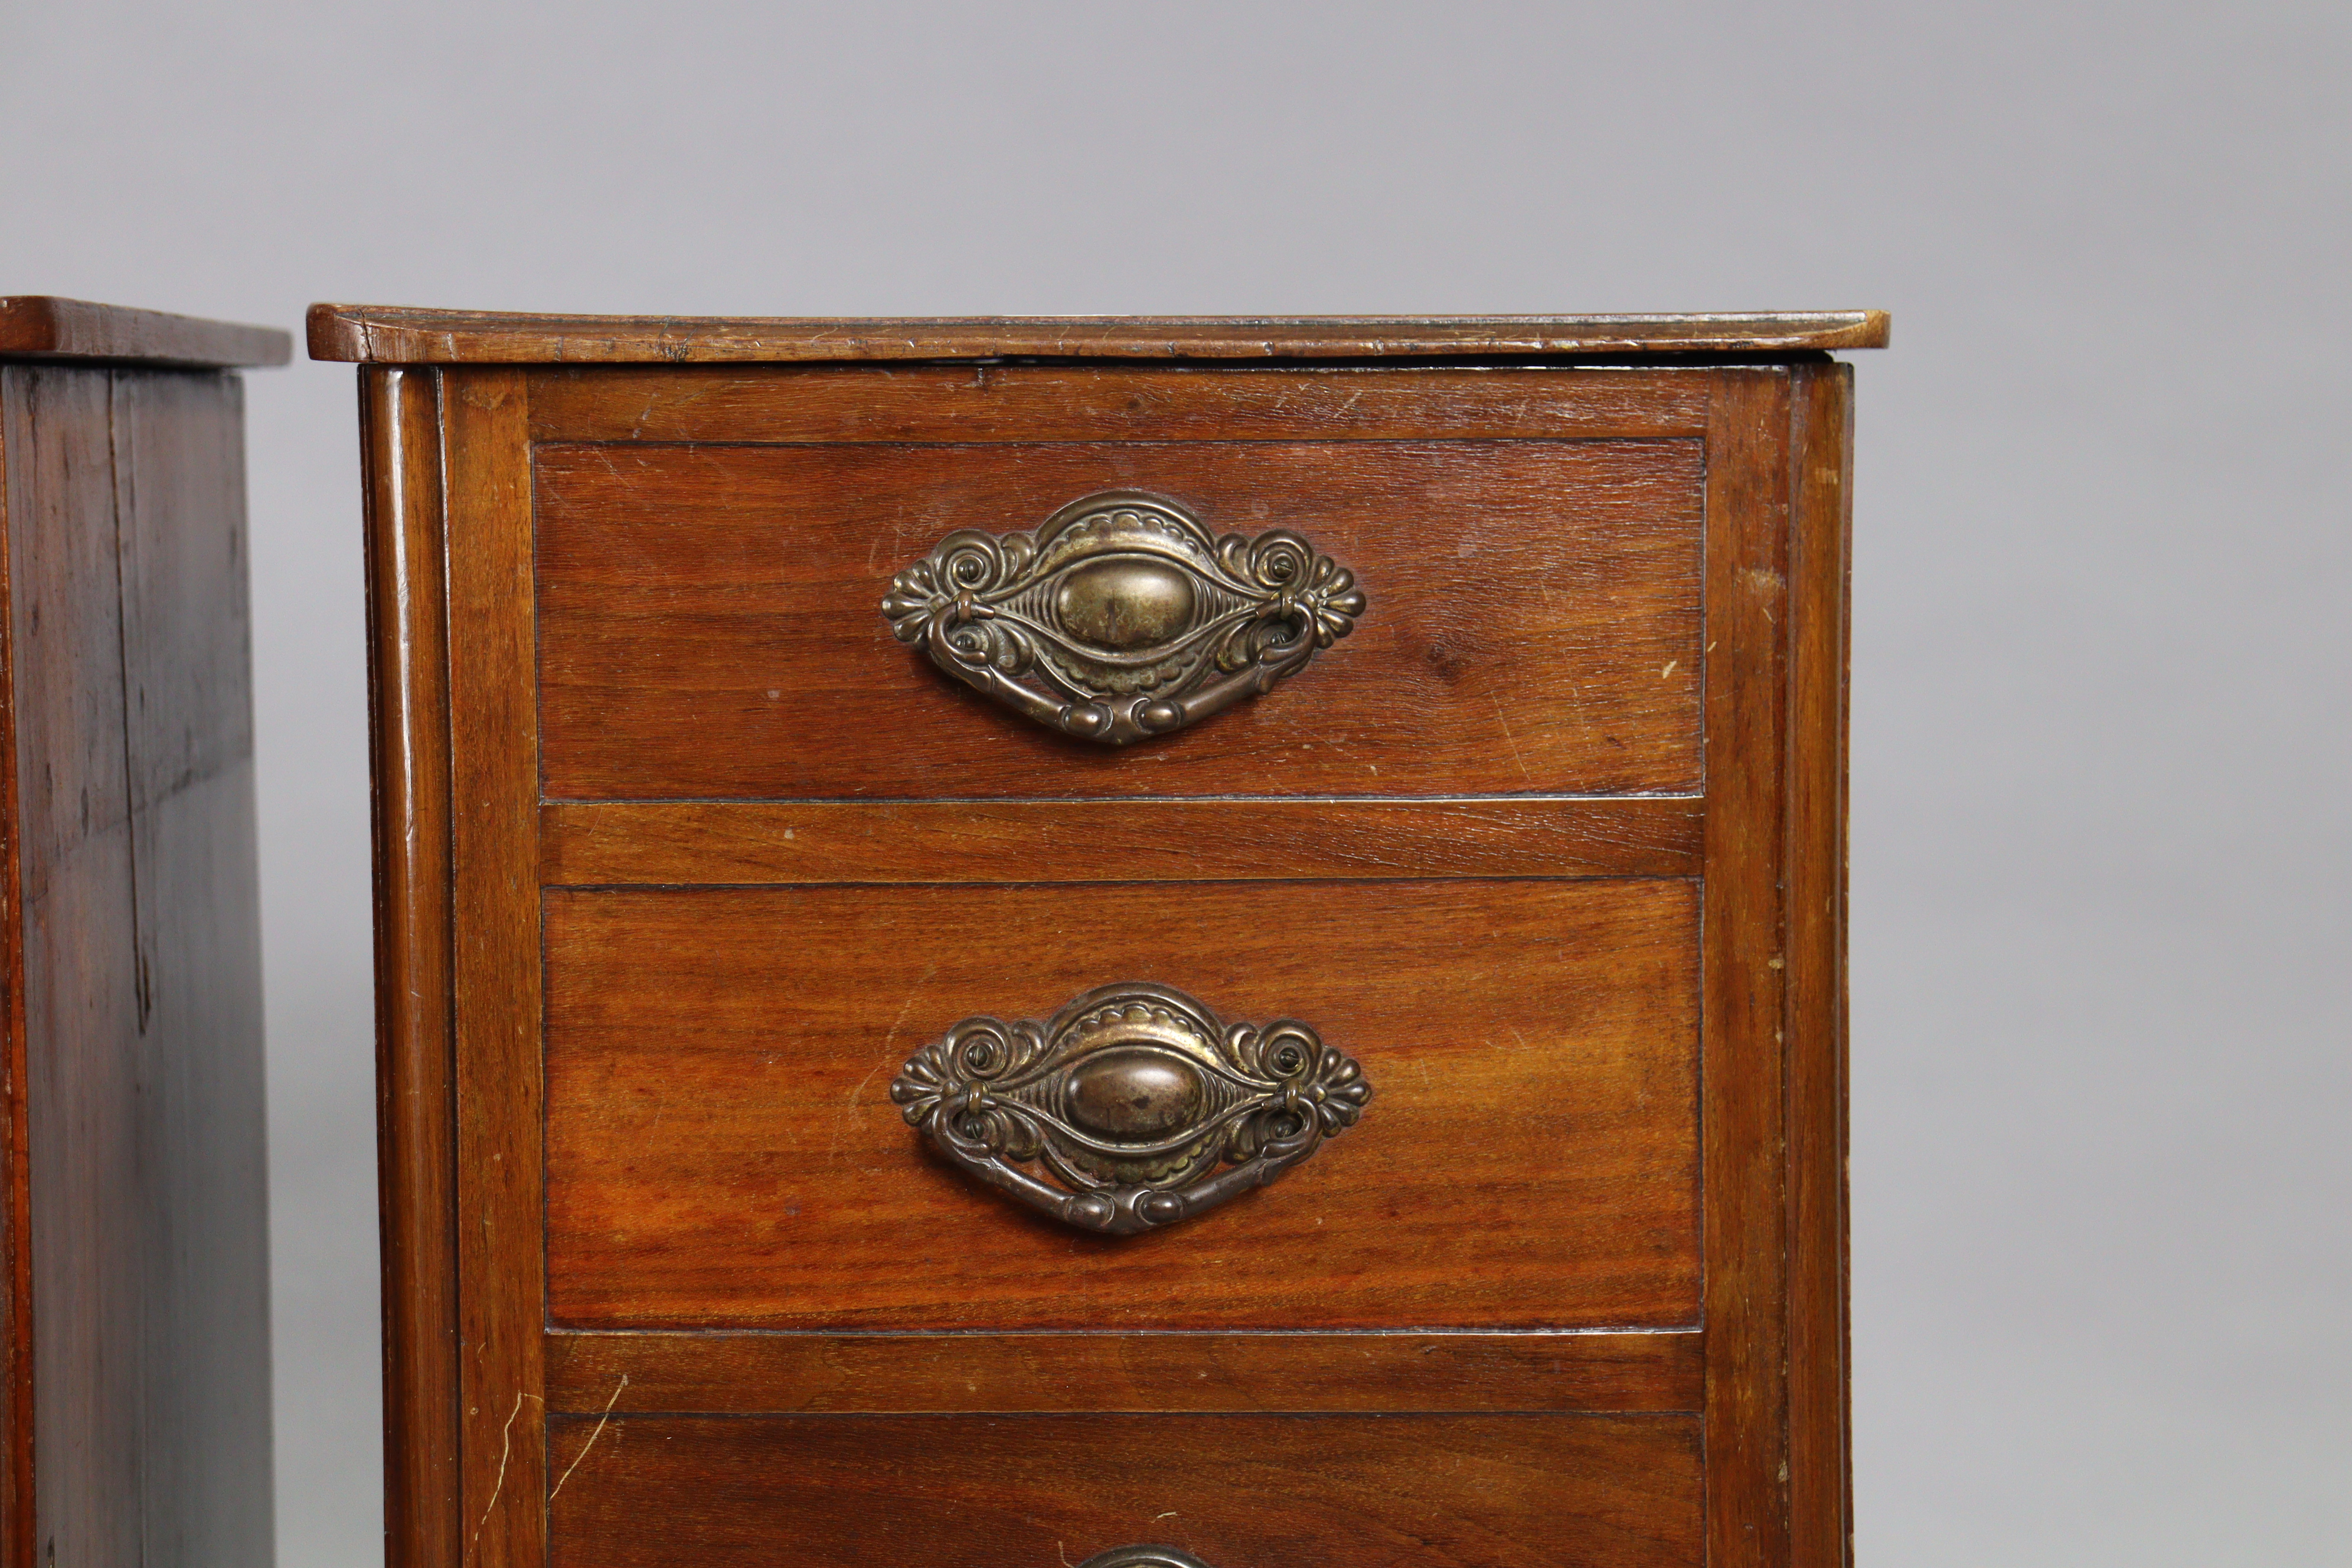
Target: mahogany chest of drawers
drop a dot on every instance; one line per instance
(893, 835)
(135, 1257)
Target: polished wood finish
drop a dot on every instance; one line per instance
(1820, 1502)
(1249, 1491)
(136, 1233)
(494, 977)
(722, 1152)
(1577, 1290)
(763, 1373)
(614, 843)
(393, 334)
(1747, 501)
(39, 327)
(400, 415)
(708, 624)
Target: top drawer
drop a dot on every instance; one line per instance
(712, 548)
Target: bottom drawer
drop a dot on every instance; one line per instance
(1043, 1491)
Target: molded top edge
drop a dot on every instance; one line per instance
(40, 326)
(380, 334)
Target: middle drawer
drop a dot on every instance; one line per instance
(721, 1151)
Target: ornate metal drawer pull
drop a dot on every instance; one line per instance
(1146, 1107)
(1122, 617)
(1143, 1557)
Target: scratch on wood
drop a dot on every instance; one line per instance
(849, 1105)
(506, 1448)
(590, 1442)
(638, 426)
(1511, 741)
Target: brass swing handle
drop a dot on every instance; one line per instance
(1145, 1106)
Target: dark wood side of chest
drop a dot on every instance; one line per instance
(135, 1311)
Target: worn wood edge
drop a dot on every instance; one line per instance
(627, 843)
(496, 972)
(1820, 1459)
(750, 1373)
(1741, 1109)
(409, 745)
(43, 327)
(19, 1529)
(412, 335)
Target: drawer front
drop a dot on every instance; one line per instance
(710, 621)
(722, 1150)
(1236, 1491)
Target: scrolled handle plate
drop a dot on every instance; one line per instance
(1122, 617)
(1143, 1557)
(1145, 1105)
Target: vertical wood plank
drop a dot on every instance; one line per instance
(1740, 1096)
(1819, 1466)
(17, 1549)
(494, 780)
(79, 997)
(400, 422)
(205, 1482)
(138, 1221)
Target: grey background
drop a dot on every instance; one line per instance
(2101, 1082)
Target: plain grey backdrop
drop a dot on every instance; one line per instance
(2103, 1049)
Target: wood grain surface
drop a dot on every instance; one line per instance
(408, 689)
(590, 843)
(722, 404)
(205, 1464)
(710, 627)
(1748, 509)
(722, 1149)
(408, 335)
(18, 1545)
(1240, 1491)
(756, 1373)
(1821, 1507)
(495, 974)
(79, 984)
(139, 1324)
(40, 327)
